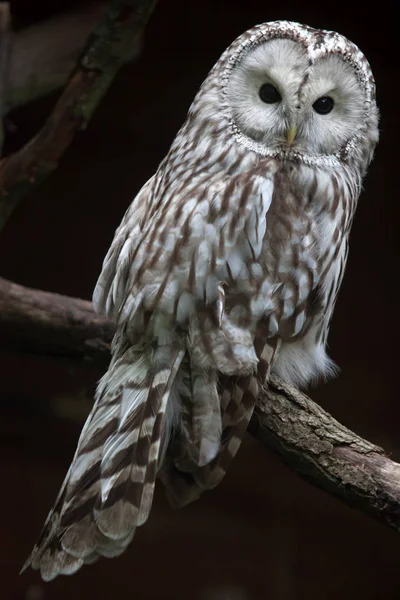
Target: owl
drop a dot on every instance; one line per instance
(224, 270)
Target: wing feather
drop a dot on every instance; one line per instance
(163, 276)
(176, 258)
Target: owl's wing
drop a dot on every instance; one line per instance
(107, 296)
(169, 256)
(168, 247)
(174, 248)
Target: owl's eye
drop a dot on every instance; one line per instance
(323, 105)
(269, 94)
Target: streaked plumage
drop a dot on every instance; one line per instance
(226, 267)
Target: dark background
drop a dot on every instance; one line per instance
(263, 533)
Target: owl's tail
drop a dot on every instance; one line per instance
(108, 490)
(185, 479)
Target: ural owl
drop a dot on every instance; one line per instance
(225, 269)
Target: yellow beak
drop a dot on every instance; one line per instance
(291, 134)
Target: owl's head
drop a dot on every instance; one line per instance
(296, 92)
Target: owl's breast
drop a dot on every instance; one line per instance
(292, 284)
(303, 258)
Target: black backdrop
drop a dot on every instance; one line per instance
(263, 533)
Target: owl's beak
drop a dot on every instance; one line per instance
(291, 134)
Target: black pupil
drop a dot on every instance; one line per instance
(323, 105)
(269, 94)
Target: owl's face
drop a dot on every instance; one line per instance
(285, 98)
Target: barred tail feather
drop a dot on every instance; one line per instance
(184, 482)
(244, 392)
(201, 418)
(238, 396)
(238, 401)
(129, 472)
(109, 487)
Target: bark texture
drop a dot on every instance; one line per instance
(324, 452)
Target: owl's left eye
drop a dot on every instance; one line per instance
(269, 94)
(323, 105)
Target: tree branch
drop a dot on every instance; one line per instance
(307, 438)
(45, 54)
(5, 38)
(327, 454)
(40, 322)
(106, 51)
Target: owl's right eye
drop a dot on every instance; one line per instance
(269, 94)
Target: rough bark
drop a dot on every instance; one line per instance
(327, 454)
(307, 438)
(106, 51)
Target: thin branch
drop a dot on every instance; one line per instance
(286, 421)
(106, 51)
(5, 40)
(45, 53)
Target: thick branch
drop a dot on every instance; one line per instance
(106, 51)
(39, 322)
(325, 453)
(286, 421)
